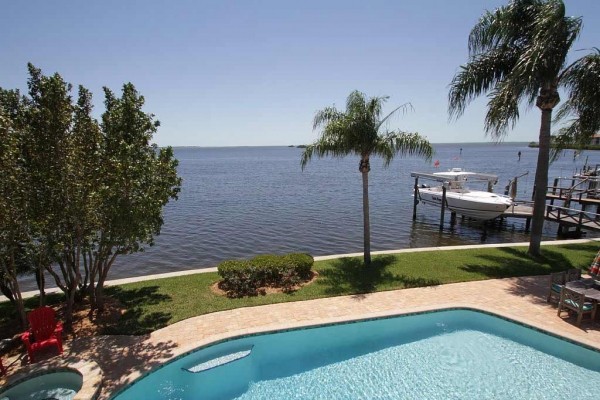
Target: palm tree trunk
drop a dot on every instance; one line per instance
(366, 221)
(546, 101)
(541, 182)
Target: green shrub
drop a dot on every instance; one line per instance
(302, 263)
(269, 266)
(240, 278)
(246, 277)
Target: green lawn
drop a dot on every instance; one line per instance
(154, 304)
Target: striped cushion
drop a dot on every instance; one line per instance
(556, 287)
(586, 306)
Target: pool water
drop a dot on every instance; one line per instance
(51, 386)
(456, 354)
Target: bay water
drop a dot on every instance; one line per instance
(237, 202)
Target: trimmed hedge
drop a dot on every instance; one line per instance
(246, 277)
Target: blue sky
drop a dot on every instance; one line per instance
(250, 73)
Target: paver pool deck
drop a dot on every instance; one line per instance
(125, 358)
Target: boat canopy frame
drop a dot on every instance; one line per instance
(468, 176)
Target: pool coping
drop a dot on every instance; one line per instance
(89, 370)
(258, 331)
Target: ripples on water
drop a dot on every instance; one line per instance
(241, 201)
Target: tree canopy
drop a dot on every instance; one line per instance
(518, 54)
(78, 193)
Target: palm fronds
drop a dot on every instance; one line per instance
(581, 111)
(357, 131)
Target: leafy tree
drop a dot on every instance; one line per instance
(518, 54)
(53, 206)
(360, 131)
(77, 193)
(84, 174)
(14, 224)
(138, 180)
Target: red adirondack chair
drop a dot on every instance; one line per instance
(44, 331)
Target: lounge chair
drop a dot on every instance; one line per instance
(44, 331)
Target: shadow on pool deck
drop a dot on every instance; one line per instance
(120, 356)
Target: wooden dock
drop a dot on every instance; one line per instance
(519, 211)
(573, 213)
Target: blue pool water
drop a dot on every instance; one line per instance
(454, 354)
(59, 385)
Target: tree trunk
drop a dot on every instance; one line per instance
(104, 267)
(13, 286)
(99, 298)
(364, 169)
(69, 310)
(546, 101)
(20, 305)
(41, 284)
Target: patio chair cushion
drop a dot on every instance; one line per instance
(556, 287)
(586, 306)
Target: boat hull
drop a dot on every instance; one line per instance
(473, 204)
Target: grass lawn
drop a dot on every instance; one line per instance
(155, 304)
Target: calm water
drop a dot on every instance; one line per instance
(239, 202)
(456, 354)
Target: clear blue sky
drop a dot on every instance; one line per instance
(227, 73)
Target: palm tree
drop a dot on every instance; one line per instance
(357, 131)
(518, 54)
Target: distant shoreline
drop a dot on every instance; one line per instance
(587, 147)
(300, 146)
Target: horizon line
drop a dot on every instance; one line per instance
(296, 145)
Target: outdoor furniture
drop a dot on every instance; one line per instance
(573, 274)
(557, 282)
(44, 331)
(575, 301)
(588, 287)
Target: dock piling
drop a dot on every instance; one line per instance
(416, 198)
(443, 208)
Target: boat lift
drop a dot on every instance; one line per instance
(446, 181)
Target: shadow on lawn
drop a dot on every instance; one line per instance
(135, 320)
(518, 263)
(527, 270)
(350, 275)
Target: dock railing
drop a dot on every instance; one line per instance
(573, 216)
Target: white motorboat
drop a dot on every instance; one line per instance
(475, 204)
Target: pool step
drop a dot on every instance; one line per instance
(218, 361)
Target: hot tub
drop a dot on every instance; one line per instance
(59, 385)
(61, 379)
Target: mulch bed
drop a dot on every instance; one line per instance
(218, 290)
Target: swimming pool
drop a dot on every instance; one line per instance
(450, 354)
